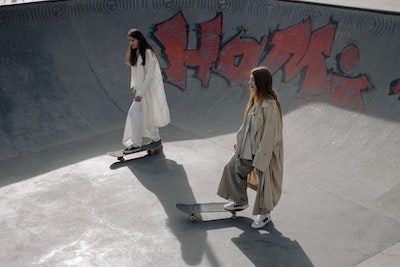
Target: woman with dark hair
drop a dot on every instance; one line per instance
(149, 110)
(259, 147)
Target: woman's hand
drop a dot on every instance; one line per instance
(138, 98)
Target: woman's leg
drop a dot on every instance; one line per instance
(133, 126)
(233, 183)
(258, 208)
(155, 135)
(262, 213)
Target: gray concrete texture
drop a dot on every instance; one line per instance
(64, 94)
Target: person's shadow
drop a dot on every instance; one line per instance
(169, 182)
(263, 247)
(271, 248)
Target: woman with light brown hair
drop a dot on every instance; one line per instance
(259, 147)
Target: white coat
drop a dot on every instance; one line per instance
(147, 82)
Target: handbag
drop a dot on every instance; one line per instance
(253, 180)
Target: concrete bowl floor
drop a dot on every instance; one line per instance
(101, 212)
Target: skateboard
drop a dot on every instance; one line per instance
(193, 209)
(151, 150)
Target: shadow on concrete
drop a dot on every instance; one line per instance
(26, 166)
(83, 91)
(271, 248)
(264, 247)
(47, 114)
(29, 165)
(169, 182)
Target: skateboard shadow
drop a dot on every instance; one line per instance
(263, 247)
(168, 181)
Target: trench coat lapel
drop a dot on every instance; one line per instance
(259, 118)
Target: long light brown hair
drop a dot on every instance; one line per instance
(263, 80)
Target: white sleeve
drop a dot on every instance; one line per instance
(149, 72)
(132, 80)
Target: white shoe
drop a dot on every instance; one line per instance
(232, 206)
(261, 220)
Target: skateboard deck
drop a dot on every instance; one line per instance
(151, 150)
(197, 208)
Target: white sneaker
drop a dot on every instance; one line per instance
(261, 220)
(232, 206)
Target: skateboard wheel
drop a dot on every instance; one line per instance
(121, 159)
(151, 152)
(191, 218)
(234, 216)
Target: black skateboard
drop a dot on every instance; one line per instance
(150, 148)
(197, 208)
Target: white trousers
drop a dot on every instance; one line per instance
(133, 133)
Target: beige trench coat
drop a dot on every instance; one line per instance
(268, 160)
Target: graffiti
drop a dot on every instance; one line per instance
(238, 56)
(347, 90)
(173, 35)
(299, 51)
(347, 60)
(395, 88)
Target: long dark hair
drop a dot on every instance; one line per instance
(263, 80)
(131, 55)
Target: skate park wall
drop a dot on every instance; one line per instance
(63, 76)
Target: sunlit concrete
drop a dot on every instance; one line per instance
(99, 211)
(381, 5)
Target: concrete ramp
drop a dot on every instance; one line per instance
(64, 91)
(63, 76)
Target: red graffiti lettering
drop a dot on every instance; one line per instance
(348, 59)
(395, 88)
(288, 44)
(173, 35)
(238, 57)
(296, 50)
(346, 91)
(313, 62)
(299, 50)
